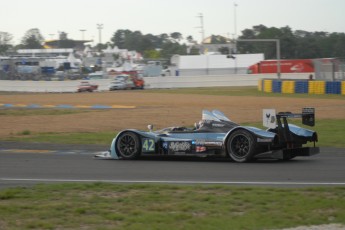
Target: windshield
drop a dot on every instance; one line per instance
(220, 115)
(207, 115)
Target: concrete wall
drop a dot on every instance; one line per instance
(150, 82)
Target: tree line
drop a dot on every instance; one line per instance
(294, 44)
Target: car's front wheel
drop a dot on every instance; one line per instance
(241, 146)
(128, 145)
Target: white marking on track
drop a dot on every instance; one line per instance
(177, 182)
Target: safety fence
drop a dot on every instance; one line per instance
(301, 86)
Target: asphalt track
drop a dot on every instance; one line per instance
(25, 165)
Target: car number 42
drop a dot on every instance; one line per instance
(148, 145)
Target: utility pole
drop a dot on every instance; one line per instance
(235, 27)
(100, 27)
(202, 31)
(82, 33)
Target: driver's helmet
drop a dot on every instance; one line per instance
(200, 124)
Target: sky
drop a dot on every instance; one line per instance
(220, 17)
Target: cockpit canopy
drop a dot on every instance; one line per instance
(215, 115)
(215, 121)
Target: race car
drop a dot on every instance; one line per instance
(216, 135)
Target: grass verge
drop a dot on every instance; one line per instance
(99, 138)
(35, 112)
(331, 134)
(241, 91)
(113, 206)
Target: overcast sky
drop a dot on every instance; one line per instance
(166, 16)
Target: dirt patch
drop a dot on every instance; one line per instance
(162, 110)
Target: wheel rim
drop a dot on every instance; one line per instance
(240, 146)
(127, 145)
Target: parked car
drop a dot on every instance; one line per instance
(116, 85)
(125, 81)
(86, 86)
(121, 82)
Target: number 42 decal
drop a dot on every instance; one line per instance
(148, 145)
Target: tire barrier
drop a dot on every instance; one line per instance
(301, 86)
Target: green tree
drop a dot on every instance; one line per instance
(148, 44)
(126, 39)
(5, 42)
(171, 48)
(293, 44)
(176, 36)
(217, 39)
(32, 39)
(152, 54)
(338, 45)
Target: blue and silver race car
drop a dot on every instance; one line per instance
(216, 135)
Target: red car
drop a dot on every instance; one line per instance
(86, 86)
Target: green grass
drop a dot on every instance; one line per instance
(99, 138)
(331, 134)
(143, 206)
(115, 206)
(240, 91)
(35, 112)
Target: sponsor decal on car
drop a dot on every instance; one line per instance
(148, 145)
(180, 146)
(218, 125)
(165, 145)
(207, 143)
(200, 149)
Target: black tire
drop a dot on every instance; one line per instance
(128, 145)
(241, 146)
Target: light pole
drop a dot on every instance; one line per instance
(202, 31)
(100, 27)
(235, 35)
(235, 28)
(82, 33)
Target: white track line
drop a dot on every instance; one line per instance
(177, 182)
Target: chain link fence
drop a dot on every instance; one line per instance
(329, 69)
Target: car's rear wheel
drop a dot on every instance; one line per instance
(241, 146)
(128, 145)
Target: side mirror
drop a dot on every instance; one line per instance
(150, 127)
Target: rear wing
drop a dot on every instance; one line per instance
(270, 118)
